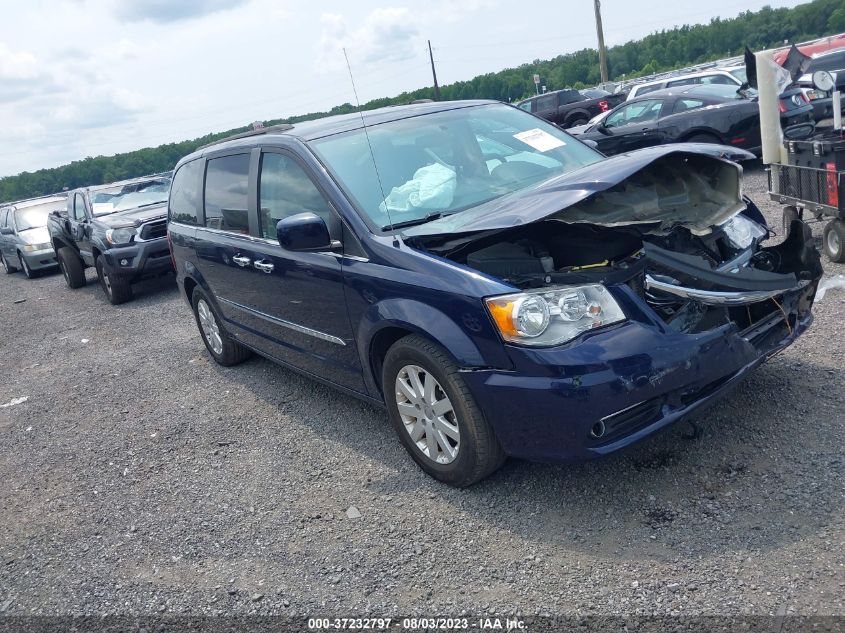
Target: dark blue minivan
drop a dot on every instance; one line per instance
(502, 288)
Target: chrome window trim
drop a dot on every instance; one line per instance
(288, 324)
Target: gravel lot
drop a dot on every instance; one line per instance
(139, 477)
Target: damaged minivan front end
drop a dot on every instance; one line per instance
(642, 289)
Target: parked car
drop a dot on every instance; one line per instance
(24, 239)
(119, 228)
(568, 108)
(834, 63)
(502, 288)
(733, 76)
(696, 114)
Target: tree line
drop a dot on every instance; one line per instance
(663, 50)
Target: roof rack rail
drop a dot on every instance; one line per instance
(281, 127)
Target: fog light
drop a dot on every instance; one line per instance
(124, 262)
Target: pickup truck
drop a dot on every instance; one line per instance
(568, 108)
(119, 228)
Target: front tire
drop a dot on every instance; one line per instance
(223, 348)
(71, 267)
(25, 267)
(6, 266)
(834, 241)
(435, 415)
(117, 289)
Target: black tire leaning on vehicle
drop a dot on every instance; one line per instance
(71, 266)
(226, 351)
(25, 267)
(6, 266)
(479, 453)
(117, 289)
(834, 241)
(789, 214)
(576, 122)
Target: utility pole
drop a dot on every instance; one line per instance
(434, 73)
(602, 52)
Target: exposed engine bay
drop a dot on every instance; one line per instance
(693, 282)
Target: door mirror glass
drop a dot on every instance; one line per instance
(303, 232)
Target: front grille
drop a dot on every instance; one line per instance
(153, 230)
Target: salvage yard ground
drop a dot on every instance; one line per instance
(140, 477)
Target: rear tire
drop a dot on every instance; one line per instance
(71, 267)
(6, 266)
(704, 138)
(789, 214)
(117, 289)
(834, 241)
(223, 348)
(25, 267)
(474, 451)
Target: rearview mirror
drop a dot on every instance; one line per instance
(6, 231)
(304, 232)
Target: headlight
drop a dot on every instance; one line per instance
(742, 232)
(553, 315)
(119, 236)
(31, 248)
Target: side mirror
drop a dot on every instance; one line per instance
(603, 129)
(304, 232)
(6, 231)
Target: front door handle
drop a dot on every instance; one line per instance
(263, 266)
(241, 261)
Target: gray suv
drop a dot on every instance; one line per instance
(24, 238)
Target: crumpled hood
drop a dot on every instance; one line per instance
(687, 184)
(135, 217)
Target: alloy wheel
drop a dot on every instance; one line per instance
(834, 244)
(106, 281)
(210, 329)
(427, 414)
(24, 266)
(3, 261)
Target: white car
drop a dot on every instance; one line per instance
(734, 75)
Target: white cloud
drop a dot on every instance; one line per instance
(17, 65)
(163, 11)
(386, 35)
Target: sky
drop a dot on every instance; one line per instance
(85, 78)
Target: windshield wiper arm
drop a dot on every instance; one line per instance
(416, 221)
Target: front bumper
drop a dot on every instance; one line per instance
(625, 382)
(40, 260)
(140, 259)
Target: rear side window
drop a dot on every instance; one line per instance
(682, 105)
(3, 214)
(184, 194)
(285, 190)
(226, 193)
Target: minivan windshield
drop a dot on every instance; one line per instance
(439, 164)
(130, 196)
(35, 217)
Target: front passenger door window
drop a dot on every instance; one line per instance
(78, 208)
(284, 190)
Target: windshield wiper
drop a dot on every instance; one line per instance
(416, 221)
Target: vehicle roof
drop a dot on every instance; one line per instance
(328, 126)
(701, 73)
(120, 183)
(715, 90)
(31, 202)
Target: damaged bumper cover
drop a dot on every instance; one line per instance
(617, 385)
